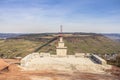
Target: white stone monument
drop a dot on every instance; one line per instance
(61, 49)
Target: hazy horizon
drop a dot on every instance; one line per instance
(57, 32)
(45, 16)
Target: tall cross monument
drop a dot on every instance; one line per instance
(61, 49)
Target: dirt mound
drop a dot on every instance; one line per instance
(13, 68)
(8, 65)
(3, 64)
(10, 61)
(114, 71)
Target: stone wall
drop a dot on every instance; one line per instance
(45, 61)
(70, 63)
(27, 59)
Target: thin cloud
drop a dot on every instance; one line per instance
(47, 15)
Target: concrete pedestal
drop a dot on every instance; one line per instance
(61, 50)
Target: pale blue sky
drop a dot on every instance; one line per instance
(40, 16)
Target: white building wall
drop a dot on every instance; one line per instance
(61, 52)
(61, 44)
(27, 59)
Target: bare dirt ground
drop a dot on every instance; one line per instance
(13, 72)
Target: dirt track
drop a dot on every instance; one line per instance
(53, 75)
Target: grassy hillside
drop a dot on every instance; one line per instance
(92, 44)
(82, 43)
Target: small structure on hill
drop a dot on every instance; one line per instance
(61, 49)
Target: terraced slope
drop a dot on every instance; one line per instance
(88, 43)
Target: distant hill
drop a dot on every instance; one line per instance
(76, 43)
(113, 36)
(8, 35)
